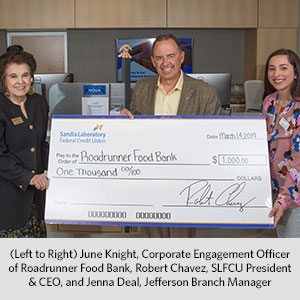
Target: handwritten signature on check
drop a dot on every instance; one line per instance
(200, 193)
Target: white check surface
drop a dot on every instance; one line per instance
(170, 172)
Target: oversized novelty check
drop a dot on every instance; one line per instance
(202, 172)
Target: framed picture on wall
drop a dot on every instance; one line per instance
(141, 65)
(48, 48)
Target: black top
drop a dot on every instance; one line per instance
(23, 153)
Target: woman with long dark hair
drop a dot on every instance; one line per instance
(281, 107)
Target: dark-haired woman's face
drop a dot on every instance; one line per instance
(281, 73)
(17, 80)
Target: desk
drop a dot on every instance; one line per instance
(237, 108)
(91, 229)
(237, 105)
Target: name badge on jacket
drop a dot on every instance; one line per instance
(17, 121)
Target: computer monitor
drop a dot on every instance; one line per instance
(117, 96)
(140, 63)
(221, 81)
(43, 82)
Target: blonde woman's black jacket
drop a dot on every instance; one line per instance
(23, 153)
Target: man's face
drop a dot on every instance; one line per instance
(167, 60)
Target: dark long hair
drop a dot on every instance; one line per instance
(15, 54)
(294, 61)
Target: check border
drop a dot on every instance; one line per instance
(198, 225)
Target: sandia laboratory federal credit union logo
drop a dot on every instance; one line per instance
(97, 135)
(99, 127)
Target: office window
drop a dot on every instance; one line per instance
(48, 48)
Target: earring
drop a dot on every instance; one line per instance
(31, 91)
(6, 93)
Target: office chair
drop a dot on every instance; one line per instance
(253, 90)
